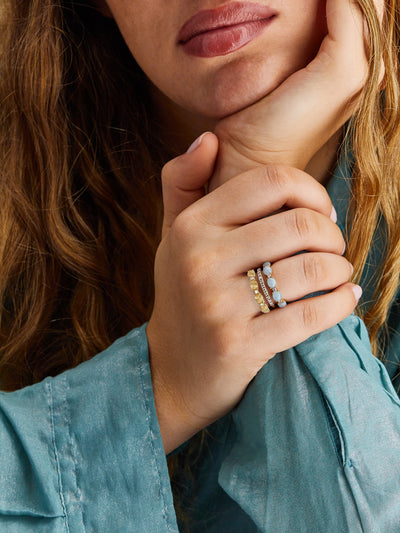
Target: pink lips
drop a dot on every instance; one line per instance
(220, 31)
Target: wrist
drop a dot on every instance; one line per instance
(176, 424)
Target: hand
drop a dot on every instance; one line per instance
(294, 121)
(207, 339)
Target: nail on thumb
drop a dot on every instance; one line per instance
(195, 144)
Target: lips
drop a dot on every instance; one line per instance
(235, 14)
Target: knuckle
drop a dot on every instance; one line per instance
(301, 223)
(314, 269)
(310, 317)
(183, 227)
(277, 177)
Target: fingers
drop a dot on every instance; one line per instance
(280, 236)
(342, 53)
(297, 277)
(260, 192)
(283, 328)
(345, 51)
(310, 272)
(348, 37)
(184, 178)
(345, 23)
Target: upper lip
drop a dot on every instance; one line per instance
(228, 15)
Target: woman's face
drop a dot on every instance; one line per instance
(211, 71)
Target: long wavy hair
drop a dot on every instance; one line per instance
(81, 205)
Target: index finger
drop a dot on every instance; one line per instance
(261, 191)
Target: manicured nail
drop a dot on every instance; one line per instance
(344, 249)
(334, 215)
(357, 290)
(352, 268)
(195, 144)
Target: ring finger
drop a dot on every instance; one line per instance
(301, 275)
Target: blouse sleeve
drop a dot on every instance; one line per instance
(82, 452)
(315, 442)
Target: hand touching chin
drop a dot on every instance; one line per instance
(290, 125)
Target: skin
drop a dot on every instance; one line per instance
(190, 94)
(275, 115)
(216, 87)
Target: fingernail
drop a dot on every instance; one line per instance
(195, 144)
(357, 290)
(352, 268)
(334, 215)
(344, 249)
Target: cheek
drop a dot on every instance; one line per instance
(314, 14)
(153, 48)
(145, 26)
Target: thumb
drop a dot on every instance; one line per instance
(184, 178)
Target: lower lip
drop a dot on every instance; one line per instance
(222, 41)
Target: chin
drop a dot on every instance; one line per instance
(235, 87)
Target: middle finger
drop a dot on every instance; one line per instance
(279, 236)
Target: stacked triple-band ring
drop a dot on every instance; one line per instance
(265, 300)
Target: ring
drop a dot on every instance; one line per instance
(257, 295)
(264, 289)
(271, 282)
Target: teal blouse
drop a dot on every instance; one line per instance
(313, 447)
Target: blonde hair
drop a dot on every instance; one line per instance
(375, 144)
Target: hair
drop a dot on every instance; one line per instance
(81, 209)
(375, 143)
(81, 200)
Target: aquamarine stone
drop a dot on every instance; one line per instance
(277, 296)
(267, 270)
(271, 283)
(282, 304)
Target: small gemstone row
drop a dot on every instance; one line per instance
(271, 282)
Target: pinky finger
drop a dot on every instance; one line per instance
(284, 328)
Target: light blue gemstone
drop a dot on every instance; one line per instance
(277, 296)
(267, 270)
(282, 304)
(271, 283)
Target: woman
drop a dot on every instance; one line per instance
(85, 131)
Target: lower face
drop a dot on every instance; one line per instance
(218, 84)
